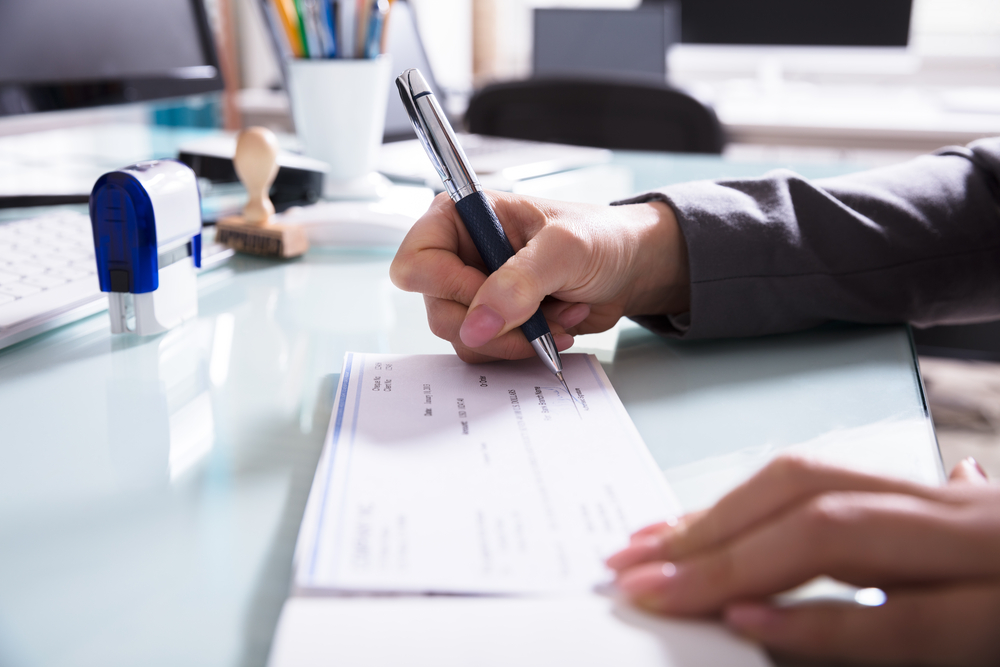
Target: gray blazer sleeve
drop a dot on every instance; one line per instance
(917, 242)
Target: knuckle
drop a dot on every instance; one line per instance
(829, 513)
(517, 287)
(437, 327)
(459, 290)
(563, 236)
(790, 467)
(792, 472)
(401, 273)
(440, 318)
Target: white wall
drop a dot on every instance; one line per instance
(956, 27)
(446, 30)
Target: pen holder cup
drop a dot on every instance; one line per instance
(339, 111)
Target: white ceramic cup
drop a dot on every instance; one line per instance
(339, 111)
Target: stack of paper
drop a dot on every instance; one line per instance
(446, 478)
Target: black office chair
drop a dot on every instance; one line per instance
(605, 114)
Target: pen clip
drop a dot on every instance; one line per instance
(435, 134)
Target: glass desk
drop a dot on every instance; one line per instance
(151, 488)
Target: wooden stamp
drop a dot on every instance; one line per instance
(255, 232)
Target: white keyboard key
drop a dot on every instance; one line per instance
(70, 273)
(19, 290)
(16, 256)
(26, 268)
(58, 299)
(5, 299)
(58, 244)
(44, 280)
(53, 261)
(7, 278)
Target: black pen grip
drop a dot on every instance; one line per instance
(491, 242)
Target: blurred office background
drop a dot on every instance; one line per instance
(770, 99)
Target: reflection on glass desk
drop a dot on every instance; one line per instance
(151, 488)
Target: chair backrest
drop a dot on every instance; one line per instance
(605, 114)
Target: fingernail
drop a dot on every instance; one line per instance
(563, 341)
(480, 326)
(646, 583)
(747, 617)
(975, 464)
(642, 549)
(656, 528)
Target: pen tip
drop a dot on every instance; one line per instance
(571, 397)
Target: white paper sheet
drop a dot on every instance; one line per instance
(577, 630)
(439, 476)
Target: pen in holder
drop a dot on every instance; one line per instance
(339, 111)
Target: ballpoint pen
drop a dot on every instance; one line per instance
(462, 184)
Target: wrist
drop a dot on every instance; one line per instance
(661, 277)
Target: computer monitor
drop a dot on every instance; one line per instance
(605, 43)
(857, 23)
(57, 55)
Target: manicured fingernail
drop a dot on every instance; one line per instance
(641, 549)
(573, 315)
(647, 582)
(563, 341)
(749, 617)
(656, 528)
(975, 464)
(480, 326)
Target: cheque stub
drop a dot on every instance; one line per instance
(439, 476)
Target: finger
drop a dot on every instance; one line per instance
(566, 314)
(445, 318)
(654, 529)
(784, 483)
(868, 539)
(954, 626)
(968, 471)
(644, 545)
(437, 272)
(512, 293)
(437, 256)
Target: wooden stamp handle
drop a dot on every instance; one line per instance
(256, 164)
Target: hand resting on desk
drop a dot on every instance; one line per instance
(935, 552)
(596, 263)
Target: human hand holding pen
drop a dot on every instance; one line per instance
(597, 263)
(935, 551)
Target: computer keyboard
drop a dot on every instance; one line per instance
(46, 267)
(48, 275)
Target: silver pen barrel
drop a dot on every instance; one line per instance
(434, 132)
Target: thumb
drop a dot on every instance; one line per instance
(514, 292)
